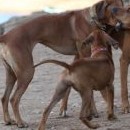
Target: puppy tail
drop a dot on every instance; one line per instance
(63, 64)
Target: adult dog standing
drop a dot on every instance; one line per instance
(123, 37)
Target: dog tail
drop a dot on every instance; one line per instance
(63, 64)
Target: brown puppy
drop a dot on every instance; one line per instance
(63, 33)
(86, 75)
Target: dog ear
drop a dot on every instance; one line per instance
(111, 41)
(101, 6)
(118, 3)
(89, 39)
(100, 9)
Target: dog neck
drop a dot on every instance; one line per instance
(95, 51)
(94, 18)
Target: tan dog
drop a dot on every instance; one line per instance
(63, 33)
(123, 37)
(86, 75)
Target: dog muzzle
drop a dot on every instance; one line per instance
(118, 26)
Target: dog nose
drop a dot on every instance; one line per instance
(118, 26)
(116, 45)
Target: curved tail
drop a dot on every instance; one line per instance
(63, 64)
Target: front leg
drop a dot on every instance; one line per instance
(63, 108)
(124, 62)
(110, 102)
(79, 46)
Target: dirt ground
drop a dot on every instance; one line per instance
(40, 92)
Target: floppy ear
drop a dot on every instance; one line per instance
(120, 3)
(111, 41)
(101, 6)
(100, 9)
(89, 39)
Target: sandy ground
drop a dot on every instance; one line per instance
(40, 92)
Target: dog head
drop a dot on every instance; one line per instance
(101, 39)
(104, 10)
(122, 15)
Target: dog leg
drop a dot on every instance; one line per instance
(110, 93)
(79, 48)
(63, 107)
(64, 102)
(24, 79)
(124, 90)
(86, 105)
(10, 81)
(94, 112)
(59, 94)
(104, 94)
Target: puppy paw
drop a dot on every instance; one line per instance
(95, 126)
(63, 114)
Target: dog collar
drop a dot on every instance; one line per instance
(94, 18)
(97, 50)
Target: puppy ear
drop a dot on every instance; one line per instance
(111, 41)
(89, 39)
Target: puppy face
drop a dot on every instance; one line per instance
(102, 39)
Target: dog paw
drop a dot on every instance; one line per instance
(126, 110)
(95, 115)
(10, 122)
(90, 117)
(95, 126)
(111, 117)
(63, 113)
(22, 125)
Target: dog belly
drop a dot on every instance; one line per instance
(66, 51)
(67, 48)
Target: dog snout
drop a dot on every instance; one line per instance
(116, 45)
(118, 25)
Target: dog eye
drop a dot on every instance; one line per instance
(114, 10)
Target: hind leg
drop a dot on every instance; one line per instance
(23, 81)
(10, 81)
(85, 109)
(59, 94)
(104, 94)
(64, 102)
(93, 110)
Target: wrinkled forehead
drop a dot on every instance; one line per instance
(118, 3)
(124, 10)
